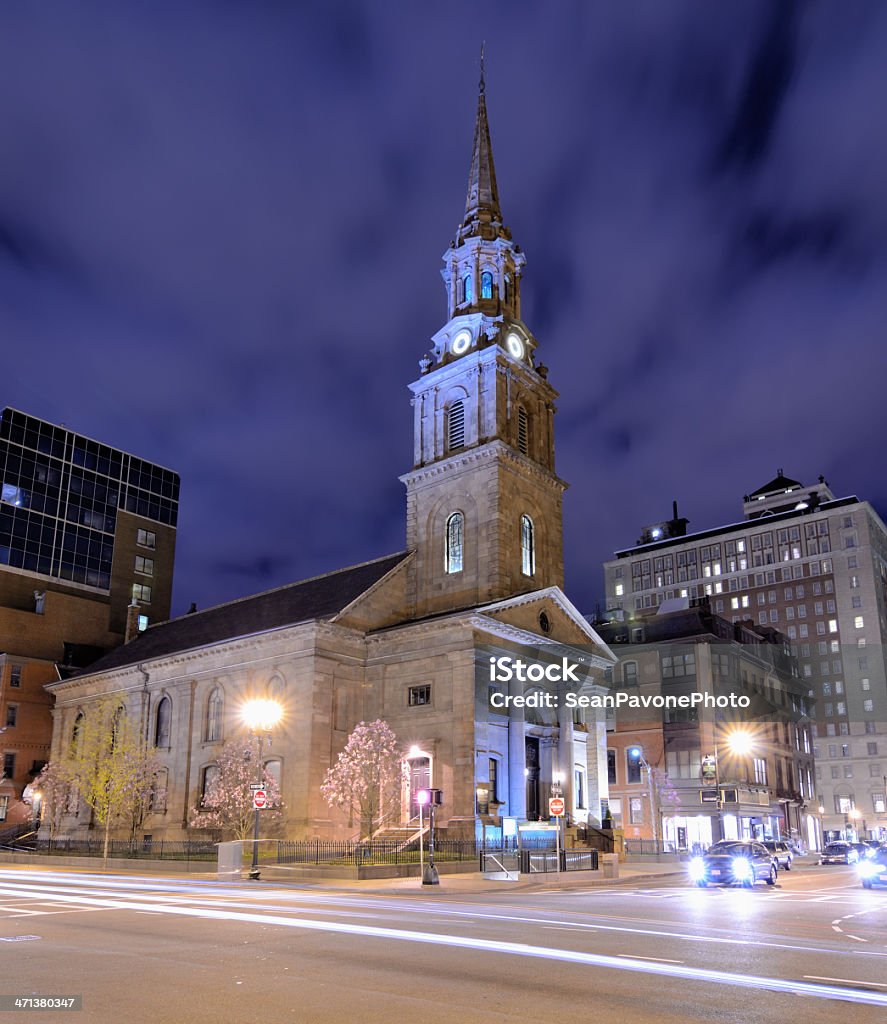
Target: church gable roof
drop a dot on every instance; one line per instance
(565, 624)
(320, 597)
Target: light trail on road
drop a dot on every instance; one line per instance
(597, 960)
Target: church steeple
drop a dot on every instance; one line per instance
(483, 215)
(483, 497)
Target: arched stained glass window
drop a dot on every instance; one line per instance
(527, 546)
(467, 293)
(214, 705)
(162, 723)
(486, 285)
(456, 425)
(455, 530)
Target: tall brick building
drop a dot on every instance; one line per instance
(406, 638)
(86, 530)
(813, 566)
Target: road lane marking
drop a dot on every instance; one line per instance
(627, 963)
(654, 959)
(846, 981)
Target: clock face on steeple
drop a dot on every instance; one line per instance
(461, 343)
(515, 345)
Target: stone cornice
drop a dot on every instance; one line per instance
(495, 449)
(197, 654)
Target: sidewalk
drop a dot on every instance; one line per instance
(467, 882)
(474, 882)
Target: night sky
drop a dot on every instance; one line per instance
(221, 228)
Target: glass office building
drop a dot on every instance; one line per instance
(62, 495)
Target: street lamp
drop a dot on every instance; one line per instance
(260, 717)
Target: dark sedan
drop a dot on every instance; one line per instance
(873, 870)
(734, 863)
(839, 853)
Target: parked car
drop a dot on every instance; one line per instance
(873, 870)
(734, 863)
(839, 853)
(782, 853)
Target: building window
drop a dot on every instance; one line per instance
(146, 539)
(760, 766)
(9, 766)
(207, 777)
(466, 288)
(145, 565)
(162, 721)
(633, 765)
(858, 621)
(523, 431)
(11, 715)
(527, 546)
(456, 425)
(158, 796)
(4, 804)
(213, 726)
(454, 542)
(419, 696)
(141, 592)
(143, 623)
(635, 811)
(486, 285)
(630, 673)
(494, 779)
(579, 788)
(611, 767)
(15, 676)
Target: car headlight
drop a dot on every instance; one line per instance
(741, 867)
(870, 852)
(867, 869)
(697, 868)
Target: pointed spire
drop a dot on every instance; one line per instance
(482, 204)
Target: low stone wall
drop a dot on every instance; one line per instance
(136, 865)
(296, 872)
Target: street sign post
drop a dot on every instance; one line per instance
(557, 808)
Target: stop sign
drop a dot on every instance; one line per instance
(556, 807)
(260, 798)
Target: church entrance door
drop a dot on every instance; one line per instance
(532, 762)
(420, 778)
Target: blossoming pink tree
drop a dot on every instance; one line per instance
(368, 778)
(227, 805)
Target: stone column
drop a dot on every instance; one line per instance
(517, 758)
(565, 757)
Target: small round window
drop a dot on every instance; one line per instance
(544, 624)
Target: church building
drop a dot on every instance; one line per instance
(413, 638)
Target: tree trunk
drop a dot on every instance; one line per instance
(107, 841)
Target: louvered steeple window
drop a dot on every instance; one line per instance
(456, 425)
(523, 431)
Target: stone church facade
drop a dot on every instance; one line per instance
(407, 638)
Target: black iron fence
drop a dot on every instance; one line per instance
(94, 846)
(533, 862)
(389, 851)
(649, 846)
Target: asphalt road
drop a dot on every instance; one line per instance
(156, 949)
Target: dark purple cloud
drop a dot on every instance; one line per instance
(221, 228)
